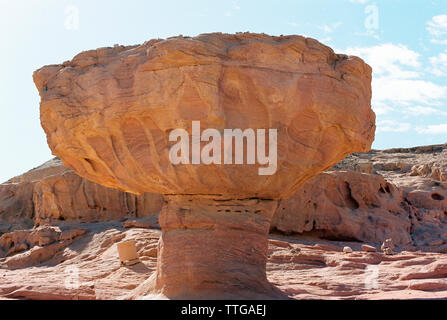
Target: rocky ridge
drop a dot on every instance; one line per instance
(367, 197)
(306, 257)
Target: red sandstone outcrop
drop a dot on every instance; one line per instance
(25, 248)
(346, 205)
(69, 196)
(16, 206)
(420, 197)
(303, 268)
(53, 193)
(300, 264)
(424, 195)
(109, 112)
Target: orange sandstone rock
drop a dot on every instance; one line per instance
(53, 193)
(347, 205)
(108, 114)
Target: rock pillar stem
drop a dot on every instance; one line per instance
(214, 248)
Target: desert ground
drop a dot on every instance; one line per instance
(58, 232)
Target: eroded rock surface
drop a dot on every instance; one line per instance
(301, 264)
(53, 193)
(232, 234)
(302, 268)
(424, 196)
(108, 112)
(377, 205)
(25, 248)
(347, 205)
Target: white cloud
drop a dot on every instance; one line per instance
(437, 41)
(439, 64)
(396, 77)
(392, 126)
(424, 111)
(437, 27)
(407, 91)
(433, 129)
(389, 59)
(381, 108)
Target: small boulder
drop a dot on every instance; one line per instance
(368, 248)
(347, 250)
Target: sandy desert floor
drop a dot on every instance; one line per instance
(88, 267)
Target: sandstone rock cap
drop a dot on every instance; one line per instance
(108, 112)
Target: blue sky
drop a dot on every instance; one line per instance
(405, 41)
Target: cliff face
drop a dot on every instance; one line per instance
(346, 205)
(16, 206)
(399, 194)
(53, 193)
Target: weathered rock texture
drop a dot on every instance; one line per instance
(301, 264)
(381, 202)
(230, 233)
(53, 193)
(422, 196)
(108, 114)
(16, 206)
(303, 268)
(33, 247)
(347, 205)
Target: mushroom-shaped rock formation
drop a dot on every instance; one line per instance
(110, 114)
